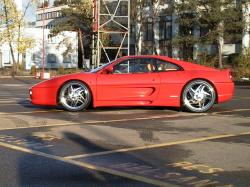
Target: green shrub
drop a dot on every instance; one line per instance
(61, 70)
(33, 70)
(242, 65)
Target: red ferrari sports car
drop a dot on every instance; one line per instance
(138, 81)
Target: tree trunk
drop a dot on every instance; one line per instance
(9, 40)
(138, 39)
(220, 50)
(18, 46)
(138, 28)
(220, 45)
(156, 35)
(156, 39)
(82, 49)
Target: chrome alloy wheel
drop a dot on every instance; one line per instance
(75, 96)
(198, 96)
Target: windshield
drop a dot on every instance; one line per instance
(101, 67)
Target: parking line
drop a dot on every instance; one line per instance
(99, 121)
(158, 145)
(89, 166)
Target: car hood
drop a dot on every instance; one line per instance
(53, 82)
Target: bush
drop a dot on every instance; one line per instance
(61, 70)
(242, 65)
(33, 70)
(208, 60)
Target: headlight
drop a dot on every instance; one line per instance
(30, 92)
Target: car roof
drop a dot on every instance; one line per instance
(185, 65)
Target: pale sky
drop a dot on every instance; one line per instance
(31, 12)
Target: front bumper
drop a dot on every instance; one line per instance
(43, 96)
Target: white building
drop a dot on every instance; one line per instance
(48, 16)
(60, 51)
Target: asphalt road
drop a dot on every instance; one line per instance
(137, 146)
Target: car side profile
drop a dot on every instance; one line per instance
(138, 81)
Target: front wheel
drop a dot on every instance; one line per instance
(198, 96)
(75, 96)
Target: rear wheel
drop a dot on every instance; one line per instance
(75, 96)
(198, 96)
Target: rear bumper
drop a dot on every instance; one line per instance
(225, 91)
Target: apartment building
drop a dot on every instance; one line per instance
(166, 29)
(48, 16)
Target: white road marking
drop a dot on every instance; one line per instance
(89, 166)
(157, 145)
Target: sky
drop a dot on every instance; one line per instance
(31, 12)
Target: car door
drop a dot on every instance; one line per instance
(130, 80)
(172, 78)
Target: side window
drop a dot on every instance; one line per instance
(163, 66)
(121, 68)
(139, 65)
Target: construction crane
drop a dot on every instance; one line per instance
(111, 26)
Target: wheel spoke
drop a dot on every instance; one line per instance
(74, 96)
(82, 98)
(199, 96)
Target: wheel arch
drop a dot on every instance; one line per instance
(67, 81)
(204, 79)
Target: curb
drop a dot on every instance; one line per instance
(24, 76)
(242, 83)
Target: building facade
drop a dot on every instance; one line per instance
(165, 29)
(48, 16)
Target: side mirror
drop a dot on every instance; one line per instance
(108, 70)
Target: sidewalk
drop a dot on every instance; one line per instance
(18, 80)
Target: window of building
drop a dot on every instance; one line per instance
(39, 17)
(67, 59)
(133, 32)
(148, 2)
(165, 29)
(123, 9)
(52, 59)
(49, 15)
(54, 14)
(148, 35)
